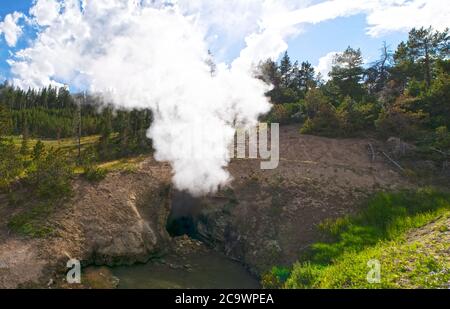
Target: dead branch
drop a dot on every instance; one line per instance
(393, 162)
(372, 152)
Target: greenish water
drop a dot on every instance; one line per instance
(197, 270)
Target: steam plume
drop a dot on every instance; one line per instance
(154, 54)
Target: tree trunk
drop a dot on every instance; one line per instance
(427, 66)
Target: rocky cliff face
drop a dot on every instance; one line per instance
(119, 221)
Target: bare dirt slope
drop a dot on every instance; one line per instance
(270, 217)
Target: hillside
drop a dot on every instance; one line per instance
(264, 218)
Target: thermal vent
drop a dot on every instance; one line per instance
(183, 216)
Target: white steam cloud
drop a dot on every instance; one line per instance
(148, 56)
(154, 53)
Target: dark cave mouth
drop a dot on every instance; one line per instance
(182, 226)
(183, 216)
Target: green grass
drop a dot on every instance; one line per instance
(70, 147)
(403, 265)
(125, 165)
(67, 144)
(377, 232)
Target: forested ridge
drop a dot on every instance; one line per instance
(405, 93)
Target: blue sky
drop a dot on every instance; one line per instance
(314, 42)
(337, 35)
(7, 7)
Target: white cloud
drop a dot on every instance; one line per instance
(45, 11)
(382, 15)
(10, 29)
(326, 64)
(406, 15)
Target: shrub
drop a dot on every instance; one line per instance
(94, 174)
(304, 276)
(91, 172)
(50, 175)
(442, 138)
(355, 117)
(38, 150)
(11, 164)
(276, 278)
(321, 115)
(284, 113)
(325, 122)
(32, 222)
(401, 120)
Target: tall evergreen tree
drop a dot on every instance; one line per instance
(425, 46)
(24, 148)
(305, 77)
(286, 70)
(347, 73)
(5, 120)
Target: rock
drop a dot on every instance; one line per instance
(50, 282)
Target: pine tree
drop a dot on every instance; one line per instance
(24, 148)
(5, 121)
(425, 45)
(347, 73)
(38, 150)
(106, 130)
(11, 165)
(305, 77)
(286, 70)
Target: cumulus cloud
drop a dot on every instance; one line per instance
(403, 15)
(382, 15)
(326, 64)
(10, 29)
(45, 11)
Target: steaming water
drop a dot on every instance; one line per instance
(208, 270)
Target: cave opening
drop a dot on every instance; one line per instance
(183, 215)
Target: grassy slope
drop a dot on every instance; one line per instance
(70, 145)
(408, 232)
